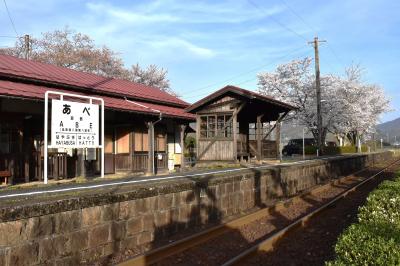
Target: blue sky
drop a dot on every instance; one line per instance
(208, 44)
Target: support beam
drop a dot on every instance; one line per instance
(198, 121)
(131, 135)
(235, 135)
(259, 132)
(281, 116)
(183, 128)
(150, 162)
(278, 140)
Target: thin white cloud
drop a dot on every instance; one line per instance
(130, 16)
(184, 12)
(177, 44)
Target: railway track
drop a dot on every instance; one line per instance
(165, 255)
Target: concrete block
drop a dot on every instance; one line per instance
(144, 238)
(12, 233)
(134, 226)
(127, 209)
(141, 206)
(110, 212)
(53, 247)
(26, 254)
(99, 235)
(118, 230)
(129, 243)
(165, 201)
(4, 255)
(66, 222)
(161, 218)
(91, 216)
(152, 203)
(67, 261)
(79, 240)
(91, 254)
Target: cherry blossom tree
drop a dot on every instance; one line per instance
(67, 48)
(349, 108)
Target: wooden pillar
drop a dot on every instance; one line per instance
(235, 135)
(198, 135)
(56, 167)
(150, 130)
(39, 165)
(131, 149)
(278, 140)
(259, 137)
(26, 166)
(183, 128)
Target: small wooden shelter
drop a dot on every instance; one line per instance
(236, 124)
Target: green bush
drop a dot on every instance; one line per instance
(375, 239)
(344, 149)
(309, 150)
(368, 244)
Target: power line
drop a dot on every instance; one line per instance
(11, 20)
(252, 79)
(335, 55)
(299, 16)
(277, 21)
(312, 29)
(271, 63)
(7, 36)
(241, 74)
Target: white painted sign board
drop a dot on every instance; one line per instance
(74, 124)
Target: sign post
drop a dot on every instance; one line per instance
(73, 124)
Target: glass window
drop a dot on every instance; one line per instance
(216, 125)
(229, 123)
(221, 125)
(203, 127)
(211, 126)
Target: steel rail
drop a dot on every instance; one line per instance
(158, 254)
(270, 243)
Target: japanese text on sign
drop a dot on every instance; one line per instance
(74, 124)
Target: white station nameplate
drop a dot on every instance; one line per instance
(74, 124)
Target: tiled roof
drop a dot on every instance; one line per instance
(242, 92)
(30, 91)
(11, 66)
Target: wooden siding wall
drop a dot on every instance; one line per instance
(221, 150)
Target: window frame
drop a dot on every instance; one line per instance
(211, 125)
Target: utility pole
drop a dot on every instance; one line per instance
(315, 43)
(27, 42)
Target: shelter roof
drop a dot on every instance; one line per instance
(242, 93)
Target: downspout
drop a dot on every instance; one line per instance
(152, 128)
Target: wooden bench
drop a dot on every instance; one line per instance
(6, 175)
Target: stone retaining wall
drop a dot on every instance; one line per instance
(75, 231)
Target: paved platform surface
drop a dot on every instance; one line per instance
(26, 193)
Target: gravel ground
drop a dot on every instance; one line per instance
(228, 245)
(314, 244)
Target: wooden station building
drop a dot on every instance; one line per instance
(144, 127)
(131, 111)
(236, 124)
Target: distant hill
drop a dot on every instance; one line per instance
(391, 129)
